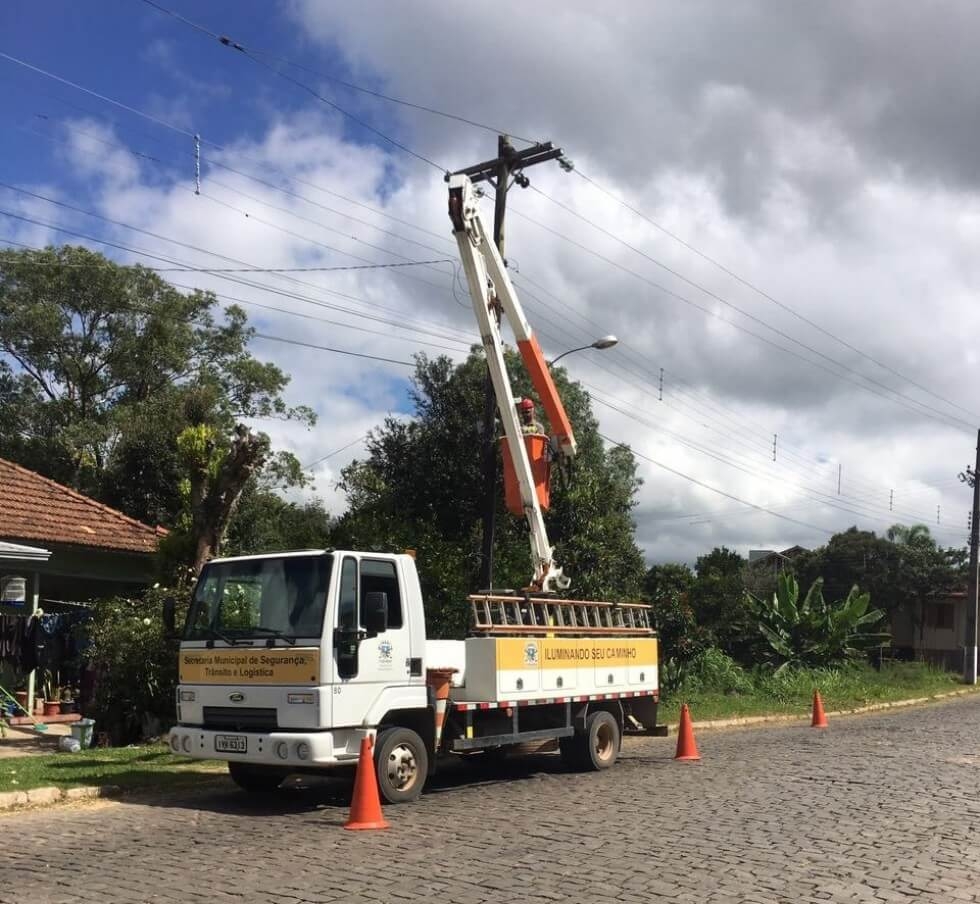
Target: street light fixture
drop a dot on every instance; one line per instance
(603, 342)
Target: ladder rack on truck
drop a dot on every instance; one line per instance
(539, 616)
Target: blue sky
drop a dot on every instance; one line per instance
(800, 151)
(136, 55)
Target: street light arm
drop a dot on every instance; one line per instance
(554, 361)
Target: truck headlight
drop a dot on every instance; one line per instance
(186, 743)
(282, 750)
(188, 696)
(301, 698)
(175, 743)
(303, 750)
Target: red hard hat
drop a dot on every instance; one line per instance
(526, 404)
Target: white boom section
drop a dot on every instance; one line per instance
(491, 290)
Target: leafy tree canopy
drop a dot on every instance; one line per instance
(102, 366)
(421, 488)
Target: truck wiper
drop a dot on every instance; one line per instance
(276, 633)
(214, 633)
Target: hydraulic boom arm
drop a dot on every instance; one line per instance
(492, 292)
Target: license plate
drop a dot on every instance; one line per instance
(229, 743)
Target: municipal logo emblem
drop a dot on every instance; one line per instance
(531, 654)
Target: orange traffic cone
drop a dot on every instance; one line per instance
(365, 809)
(819, 718)
(687, 750)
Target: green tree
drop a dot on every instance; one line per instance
(103, 366)
(421, 488)
(719, 602)
(813, 632)
(667, 587)
(265, 522)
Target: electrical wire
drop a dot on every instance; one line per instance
(332, 78)
(227, 42)
(923, 409)
(749, 285)
(325, 348)
(323, 458)
(321, 224)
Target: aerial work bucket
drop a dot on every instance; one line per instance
(537, 453)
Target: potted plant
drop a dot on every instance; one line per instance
(52, 695)
(21, 698)
(68, 704)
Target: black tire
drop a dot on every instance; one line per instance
(571, 752)
(597, 747)
(256, 779)
(402, 763)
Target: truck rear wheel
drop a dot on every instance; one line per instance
(597, 747)
(402, 764)
(256, 779)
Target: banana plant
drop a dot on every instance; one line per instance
(813, 632)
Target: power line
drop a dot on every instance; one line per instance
(923, 409)
(322, 458)
(767, 295)
(332, 78)
(721, 300)
(708, 486)
(255, 269)
(227, 42)
(325, 348)
(465, 342)
(382, 213)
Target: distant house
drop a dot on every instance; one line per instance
(74, 548)
(773, 559)
(934, 635)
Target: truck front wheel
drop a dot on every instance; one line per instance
(402, 763)
(256, 779)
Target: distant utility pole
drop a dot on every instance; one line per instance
(970, 640)
(498, 172)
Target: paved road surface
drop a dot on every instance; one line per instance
(882, 808)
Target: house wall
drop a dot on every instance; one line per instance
(941, 646)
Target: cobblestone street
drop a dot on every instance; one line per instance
(878, 808)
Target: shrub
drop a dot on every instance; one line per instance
(715, 670)
(136, 665)
(813, 632)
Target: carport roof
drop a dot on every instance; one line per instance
(23, 553)
(33, 507)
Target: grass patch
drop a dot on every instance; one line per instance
(731, 692)
(128, 767)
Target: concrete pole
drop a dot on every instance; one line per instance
(32, 677)
(970, 640)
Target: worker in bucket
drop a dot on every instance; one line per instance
(529, 424)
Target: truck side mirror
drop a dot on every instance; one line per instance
(376, 612)
(170, 616)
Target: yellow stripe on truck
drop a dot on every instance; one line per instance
(559, 653)
(269, 666)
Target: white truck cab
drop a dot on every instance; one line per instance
(287, 660)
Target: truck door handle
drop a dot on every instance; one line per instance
(414, 666)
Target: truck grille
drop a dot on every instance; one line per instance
(240, 718)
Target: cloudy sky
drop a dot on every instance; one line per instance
(799, 259)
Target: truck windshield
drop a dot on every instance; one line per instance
(260, 598)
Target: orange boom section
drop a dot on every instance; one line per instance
(537, 369)
(537, 455)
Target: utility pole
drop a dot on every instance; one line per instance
(498, 172)
(970, 640)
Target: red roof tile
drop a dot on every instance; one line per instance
(33, 507)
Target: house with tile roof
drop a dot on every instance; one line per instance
(74, 548)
